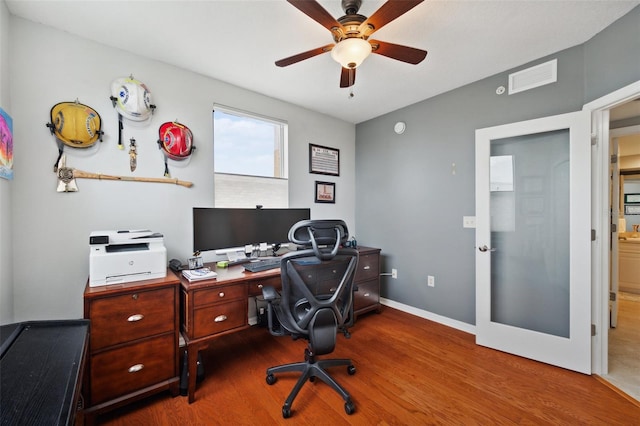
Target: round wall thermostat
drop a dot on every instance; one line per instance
(400, 127)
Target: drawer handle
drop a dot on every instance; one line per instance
(260, 286)
(367, 294)
(136, 317)
(136, 368)
(220, 318)
(134, 296)
(367, 267)
(221, 294)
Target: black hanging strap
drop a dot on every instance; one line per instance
(55, 166)
(120, 127)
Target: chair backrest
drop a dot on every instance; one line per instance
(317, 282)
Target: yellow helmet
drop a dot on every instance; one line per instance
(75, 124)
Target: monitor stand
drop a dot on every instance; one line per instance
(236, 257)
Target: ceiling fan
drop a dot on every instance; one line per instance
(351, 35)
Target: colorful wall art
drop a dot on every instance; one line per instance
(6, 145)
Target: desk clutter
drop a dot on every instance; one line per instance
(199, 274)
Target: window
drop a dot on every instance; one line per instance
(250, 160)
(501, 173)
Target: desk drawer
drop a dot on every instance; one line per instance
(218, 318)
(123, 370)
(219, 295)
(131, 316)
(255, 286)
(367, 294)
(368, 267)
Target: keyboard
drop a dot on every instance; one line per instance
(262, 265)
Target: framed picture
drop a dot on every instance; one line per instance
(6, 145)
(325, 192)
(632, 198)
(324, 160)
(632, 209)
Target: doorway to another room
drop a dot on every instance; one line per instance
(624, 331)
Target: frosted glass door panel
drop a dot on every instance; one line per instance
(533, 239)
(529, 208)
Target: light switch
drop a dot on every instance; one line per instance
(468, 221)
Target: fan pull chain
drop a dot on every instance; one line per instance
(351, 83)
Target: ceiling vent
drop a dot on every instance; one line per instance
(533, 77)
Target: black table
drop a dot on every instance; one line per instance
(41, 365)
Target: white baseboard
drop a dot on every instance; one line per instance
(458, 325)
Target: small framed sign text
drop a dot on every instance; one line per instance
(324, 160)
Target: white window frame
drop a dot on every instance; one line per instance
(281, 170)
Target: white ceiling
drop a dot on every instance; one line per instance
(239, 41)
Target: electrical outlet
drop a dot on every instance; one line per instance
(394, 273)
(431, 281)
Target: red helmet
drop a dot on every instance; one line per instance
(176, 140)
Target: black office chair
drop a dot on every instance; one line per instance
(315, 302)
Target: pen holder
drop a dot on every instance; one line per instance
(195, 263)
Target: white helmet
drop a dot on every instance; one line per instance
(132, 99)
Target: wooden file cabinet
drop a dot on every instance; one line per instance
(323, 280)
(133, 345)
(367, 281)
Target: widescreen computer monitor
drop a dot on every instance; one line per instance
(231, 228)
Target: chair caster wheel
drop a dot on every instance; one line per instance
(349, 407)
(351, 370)
(271, 379)
(286, 412)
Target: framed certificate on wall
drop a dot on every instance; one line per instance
(632, 209)
(324, 160)
(632, 198)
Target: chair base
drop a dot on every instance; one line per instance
(310, 370)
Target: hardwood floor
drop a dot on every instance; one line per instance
(624, 346)
(410, 371)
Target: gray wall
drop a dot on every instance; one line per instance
(612, 57)
(51, 230)
(411, 199)
(6, 254)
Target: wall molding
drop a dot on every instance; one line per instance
(458, 325)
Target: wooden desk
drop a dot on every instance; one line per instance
(41, 370)
(213, 308)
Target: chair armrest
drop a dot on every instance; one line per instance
(269, 293)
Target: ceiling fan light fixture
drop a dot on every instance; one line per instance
(351, 52)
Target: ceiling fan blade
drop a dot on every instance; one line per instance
(407, 54)
(347, 77)
(304, 55)
(387, 13)
(313, 10)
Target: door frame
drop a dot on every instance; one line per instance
(599, 110)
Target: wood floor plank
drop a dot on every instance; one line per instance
(409, 371)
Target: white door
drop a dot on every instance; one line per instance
(533, 239)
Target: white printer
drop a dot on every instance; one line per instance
(125, 256)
